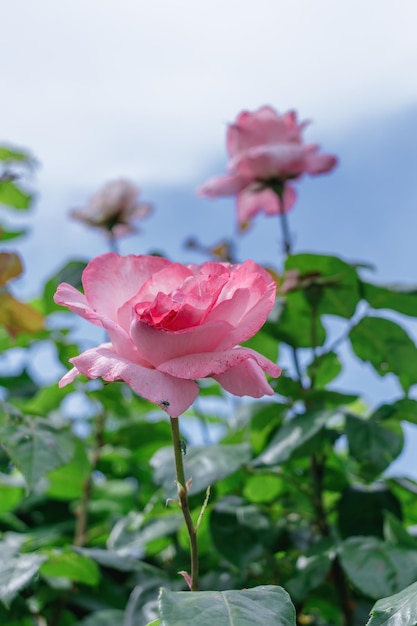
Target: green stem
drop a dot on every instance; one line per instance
(183, 501)
(285, 230)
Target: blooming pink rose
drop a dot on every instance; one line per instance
(113, 208)
(170, 324)
(266, 150)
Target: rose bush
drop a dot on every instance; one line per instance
(171, 324)
(266, 150)
(113, 208)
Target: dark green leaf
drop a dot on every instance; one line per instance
(377, 568)
(387, 347)
(397, 610)
(70, 273)
(250, 607)
(292, 435)
(311, 572)
(17, 570)
(374, 445)
(108, 617)
(239, 531)
(395, 532)
(130, 535)
(36, 446)
(361, 509)
(204, 464)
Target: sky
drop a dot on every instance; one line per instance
(99, 89)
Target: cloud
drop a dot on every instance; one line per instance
(99, 88)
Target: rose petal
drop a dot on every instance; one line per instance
(110, 280)
(173, 394)
(246, 379)
(158, 346)
(201, 365)
(228, 185)
(320, 163)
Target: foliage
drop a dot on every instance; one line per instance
(301, 497)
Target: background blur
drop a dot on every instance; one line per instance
(99, 89)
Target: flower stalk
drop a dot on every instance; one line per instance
(182, 487)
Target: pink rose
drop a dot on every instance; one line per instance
(170, 324)
(113, 208)
(266, 150)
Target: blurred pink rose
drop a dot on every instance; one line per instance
(113, 208)
(266, 150)
(170, 324)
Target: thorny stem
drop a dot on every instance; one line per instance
(317, 469)
(316, 472)
(183, 501)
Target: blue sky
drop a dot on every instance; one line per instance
(99, 89)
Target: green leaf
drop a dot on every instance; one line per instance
(204, 464)
(69, 564)
(12, 492)
(361, 509)
(8, 154)
(400, 298)
(12, 196)
(387, 347)
(36, 446)
(324, 369)
(7, 235)
(17, 570)
(252, 607)
(67, 482)
(333, 280)
(155, 622)
(108, 617)
(397, 610)
(312, 569)
(292, 435)
(395, 532)
(265, 344)
(404, 409)
(131, 535)
(294, 325)
(239, 531)
(143, 601)
(372, 444)
(262, 488)
(70, 273)
(377, 568)
(46, 400)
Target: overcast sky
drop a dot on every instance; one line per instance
(146, 88)
(99, 89)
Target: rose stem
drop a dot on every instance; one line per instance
(183, 501)
(278, 188)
